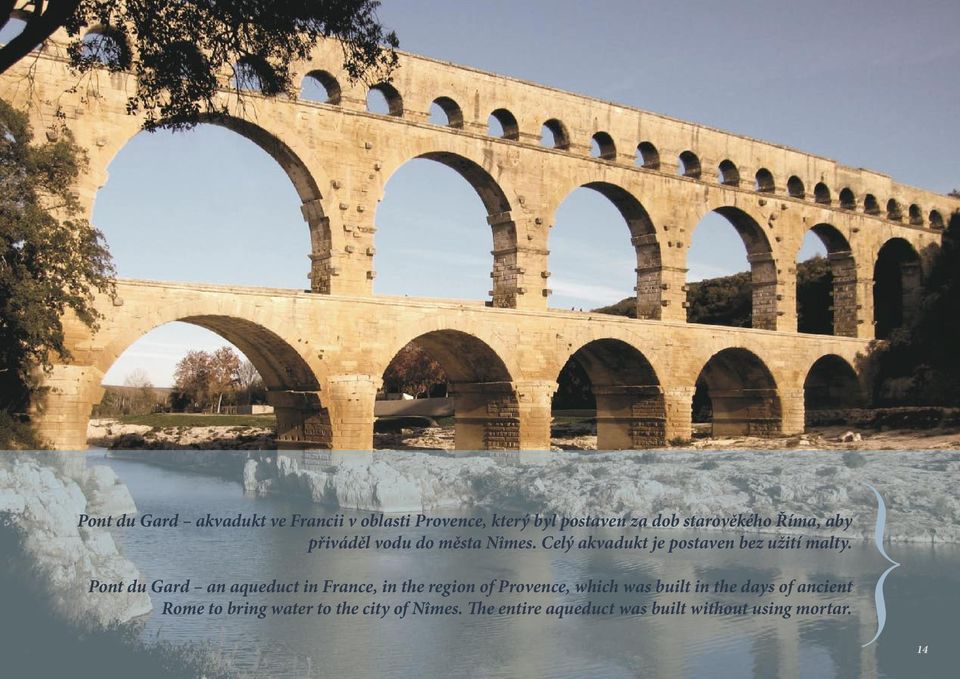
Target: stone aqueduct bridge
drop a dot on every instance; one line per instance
(322, 353)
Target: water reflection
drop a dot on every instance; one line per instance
(921, 599)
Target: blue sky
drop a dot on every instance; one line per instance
(871, 84)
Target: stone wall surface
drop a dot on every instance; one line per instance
(322, 352)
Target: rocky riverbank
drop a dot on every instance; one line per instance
(42, 496)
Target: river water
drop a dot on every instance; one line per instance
(922, 598)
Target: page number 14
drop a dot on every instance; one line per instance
(922, 648)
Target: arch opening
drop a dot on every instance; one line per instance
(725, 284)
(320, 86)
(821, 194)
(916, 216)
(764, 181)
(826, 284)
(503, 124)
(936, 220)
(10, 30)
(894, 212)
(384, 99)
(831, 384)
(736, 395)
(870, 204)
(602, 146)
(728, 174)
(218, 365)
(445, 111)
(795, 187)
(477, 390)
(614, 383)
(427, 232)
(848, 201)
(105, 46)
(648, 157)
(592, 263)
(554, 135)
(689, 165)
(897, 287)
(239, 215)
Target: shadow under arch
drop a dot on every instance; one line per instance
(499, 218)
(630, 408)
(486, 409)
(292, 386)
(763, 267)
(831, 384)
(843, 281)
(737, 393)
(897, 286)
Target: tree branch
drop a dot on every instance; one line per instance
(40, 26)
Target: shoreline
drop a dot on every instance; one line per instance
(112, 434)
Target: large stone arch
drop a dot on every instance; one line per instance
(486, 407)
(630, 405)
(302, 175)
(643, 238)
(843, 269)
(505, 274)
(761, 255)
(742, 394)
(293, 388)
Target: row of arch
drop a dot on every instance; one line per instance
(502, 123)
(734, 387)
(250, 74)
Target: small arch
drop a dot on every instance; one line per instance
(894, 211)
(647, 156)
(689, 165)
(936, 219)
(831, 384)
(106, 46)
(897, 286)
(764, 181)
(728, 173)
(253, 75)
(383, 98)
(795, 187)
(848, 201)
(507, 124)
(554, 135)
(603, 147)
(320, 86)
(916, 216)
(870, 204)
(623, 388)
(445, 111)
(821, 194)
(737, 394)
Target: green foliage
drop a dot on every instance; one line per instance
(721, 301)
(574, 391)
(176, 50)
(413, 371)
(728, 300)
(208, 380)
(51, 259)
(16, 435)
(918, 364)
(815, 296)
